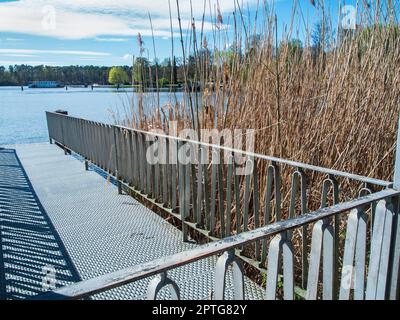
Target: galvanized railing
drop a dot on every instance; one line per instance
(218, 203)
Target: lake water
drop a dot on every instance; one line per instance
(22, 113)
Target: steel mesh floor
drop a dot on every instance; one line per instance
(60, 216)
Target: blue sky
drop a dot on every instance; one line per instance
(104, 32)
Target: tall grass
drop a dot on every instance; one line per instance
(332, 101)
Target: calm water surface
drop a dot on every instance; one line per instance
(22, 113)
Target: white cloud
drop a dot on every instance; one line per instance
(80, 19)
(14, 39)
(18, 55)
(57, 52)
(88, 59)
(128, 57)
(31, 63)
(111, 39)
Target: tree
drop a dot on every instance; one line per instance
(141, 71)
(321, 35)
(118, 76)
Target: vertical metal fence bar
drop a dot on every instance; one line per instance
(100, 145)
(214, 173)
(174, 162)
(156, 168)
(229, 184)
(111, 156)
(395, 258)
(246, 198)
(383, 286)
(206, 187)
(315, 260)
(349, 254)
(194, 176)
(315, 256)
(164, 167)
(107, 149)
(117, 160)
(200, 187)
(256, 207)
(280, 246)
(188, 201)
(183, 197)
(395, 248)
(237, 196)
(131, 159)
(278, 183)
(376, 260)
(360, 256)
(141, 163)
(226, 260)
(304, 248)
(394, 285)
(148, 168)
(267, 210)
(221, 203)
(136, 158)
(158, 177)
(288, 270)
(331, 182)
(126, 159)
(396, 178)
(121, 154)
(329, 263)
(97, 144)
(274, 252)
(298, 177)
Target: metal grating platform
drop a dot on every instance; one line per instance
(54, 213)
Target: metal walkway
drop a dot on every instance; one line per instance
(61, 222)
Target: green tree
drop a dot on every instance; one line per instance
(118, 76)
(141, 71)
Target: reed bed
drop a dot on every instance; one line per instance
(332, 100)
(334, 103)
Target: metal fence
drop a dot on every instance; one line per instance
(348, 248)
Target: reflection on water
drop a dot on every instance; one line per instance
(22, 113)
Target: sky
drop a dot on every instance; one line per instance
(104, 32)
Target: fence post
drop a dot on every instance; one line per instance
(62, 132)
(396, 180)
(394, 266)
(116, 161)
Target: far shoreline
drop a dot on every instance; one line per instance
(82, 86)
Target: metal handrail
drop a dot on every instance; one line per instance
(122, 277)
(291, 163)
(195, 194)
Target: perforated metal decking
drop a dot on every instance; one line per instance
(55, 216)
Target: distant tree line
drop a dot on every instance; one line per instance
(169, 71)
(72, 75)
